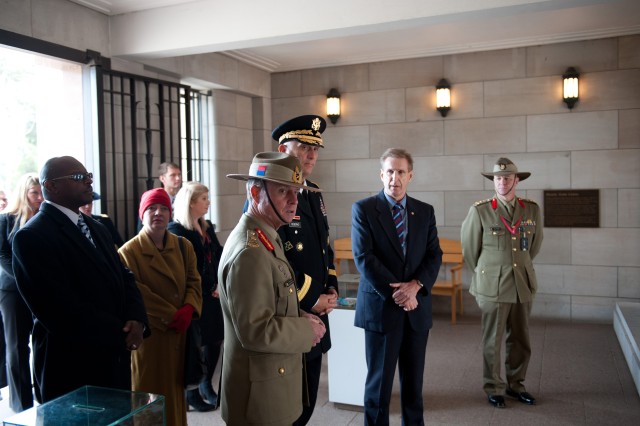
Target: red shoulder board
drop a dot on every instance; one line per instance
(264, 240)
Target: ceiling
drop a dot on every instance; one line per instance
(286, 35)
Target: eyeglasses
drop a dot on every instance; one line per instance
(78, 177)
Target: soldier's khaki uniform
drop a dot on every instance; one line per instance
(503, 283)
(265, 336)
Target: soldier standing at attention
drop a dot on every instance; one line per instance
(500, 238)
(306, 243)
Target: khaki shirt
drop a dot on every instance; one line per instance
(493, 248)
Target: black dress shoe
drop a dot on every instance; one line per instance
(497, 401)
(195, 400)
(524, 397)
(209, 394)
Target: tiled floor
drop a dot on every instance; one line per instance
(577, 372)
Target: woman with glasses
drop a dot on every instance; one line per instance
(190, 206)
(167, 275)
(16, 316)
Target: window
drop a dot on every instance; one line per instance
(41, 112)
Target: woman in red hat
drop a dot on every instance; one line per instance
(167, 275)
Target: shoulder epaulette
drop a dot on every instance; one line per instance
(529, 201)
(479, 203)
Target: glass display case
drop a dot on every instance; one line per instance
(95, 406)
(348, 290)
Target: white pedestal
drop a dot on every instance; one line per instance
(347, 363)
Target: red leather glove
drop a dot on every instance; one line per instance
(182, 318)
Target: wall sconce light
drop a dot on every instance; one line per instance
(333, 105)
(443, 97)
(570, 92)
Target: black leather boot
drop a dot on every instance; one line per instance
(206, 390)
(195, 400)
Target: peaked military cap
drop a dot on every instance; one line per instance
(504, 167)
(275, 167)
(305, 129)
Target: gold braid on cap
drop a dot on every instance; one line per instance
(306, 136)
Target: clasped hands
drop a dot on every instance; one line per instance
(404, 294)
(326, 302)
(316, 325)
(134, 331)
(182, 318)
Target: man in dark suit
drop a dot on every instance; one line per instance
(397, 252)
(306, 243)
(88, 310)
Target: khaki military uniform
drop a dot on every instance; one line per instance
(499, 248)
(265, 336)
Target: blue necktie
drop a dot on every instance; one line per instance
(398, 221)
(82, 225)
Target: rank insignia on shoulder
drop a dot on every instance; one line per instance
(288, 246)
(322, 207)
(479, 203)
(529, 201)
(252, 239)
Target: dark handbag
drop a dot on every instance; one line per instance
(195, 367)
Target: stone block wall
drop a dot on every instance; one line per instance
(504, 103)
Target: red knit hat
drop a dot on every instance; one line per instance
(154, 196)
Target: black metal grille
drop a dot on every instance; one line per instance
(142, 122)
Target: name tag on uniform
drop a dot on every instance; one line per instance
(295, 225)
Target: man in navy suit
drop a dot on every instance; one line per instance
(88, 310)
(397, 252)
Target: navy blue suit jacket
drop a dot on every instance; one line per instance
(380, 261)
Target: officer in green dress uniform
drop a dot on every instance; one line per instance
(265, 331)
(306, 243)
(500, 238)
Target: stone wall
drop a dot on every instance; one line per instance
(504, 103)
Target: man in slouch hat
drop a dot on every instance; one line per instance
(266, 332)
(500, 238)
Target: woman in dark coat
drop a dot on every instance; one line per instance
(17, 317)
(190, 206)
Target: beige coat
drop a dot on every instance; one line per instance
(158, 366)
(264, 334)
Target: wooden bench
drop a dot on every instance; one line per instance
(341, 251)
(452, 287)
(451, 261)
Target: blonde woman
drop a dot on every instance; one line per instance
(16, 316)
(166, 274)
(190, 206)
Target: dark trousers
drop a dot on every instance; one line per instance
(313, 369)
(211, 355)
(18, 323)
(406, 348)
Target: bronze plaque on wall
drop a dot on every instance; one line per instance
(572, 208)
